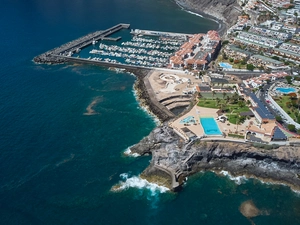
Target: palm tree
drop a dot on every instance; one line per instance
(241, 104)
(224, 95)
(218, 101)
(238, 120)
(213, 93)
(227, 99)
(234, 98)
(222, 106)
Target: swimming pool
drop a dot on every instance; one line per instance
(189, 119)
(286, 90)
(225, 65)
(210, 126)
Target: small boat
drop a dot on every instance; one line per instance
(94, 42)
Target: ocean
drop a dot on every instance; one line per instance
(64, 129)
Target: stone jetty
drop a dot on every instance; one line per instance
(54, 56)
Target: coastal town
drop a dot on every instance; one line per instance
(240, 87)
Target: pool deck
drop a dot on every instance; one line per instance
(197, 129)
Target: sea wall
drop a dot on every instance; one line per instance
(225, 11)
(147, 98)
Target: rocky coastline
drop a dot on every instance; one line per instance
(223, 12)
(146, 98)
(173, 160)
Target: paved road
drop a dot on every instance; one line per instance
(263, 96)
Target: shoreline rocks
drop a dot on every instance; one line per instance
(225, 12)
(170, 153)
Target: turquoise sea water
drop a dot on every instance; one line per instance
(64, 128)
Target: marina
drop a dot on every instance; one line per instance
(54, 56)
(138, 52)
(140, 49)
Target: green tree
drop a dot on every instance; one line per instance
(250, 67)
(222, 107)
(238, 122)
(225, 42)
(224, 94)
(227, 99)
(213, 93)
(218, 101)
(241, 104)
(234, 98)
(278, 119)
(288, 79)
(291, 127)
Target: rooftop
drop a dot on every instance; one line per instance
(260, 108)
(267, 59)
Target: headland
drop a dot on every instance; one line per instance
(211, 119)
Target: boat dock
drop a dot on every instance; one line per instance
(76, 45)
(111, 39)
(159, 33)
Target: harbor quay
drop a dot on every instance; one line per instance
(146, 49)
(69, 48)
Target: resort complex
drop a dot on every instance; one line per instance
(185, 68)
(242, 87)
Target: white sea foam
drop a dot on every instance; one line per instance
(238, 179)
(139, 183)
(156, 120)
(196, 14)
(128, 152)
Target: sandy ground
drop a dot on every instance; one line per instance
(171, 83)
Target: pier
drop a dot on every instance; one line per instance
(76, 45)
(160, 33)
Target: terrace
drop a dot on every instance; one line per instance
(250, 38)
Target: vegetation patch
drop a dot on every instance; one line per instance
(265, 146)
(290, 104)
(236, 136)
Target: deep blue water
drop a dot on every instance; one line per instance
(58, 164)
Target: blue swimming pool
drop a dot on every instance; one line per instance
(189, 119)
(225, 65)
(286, 90)
(210, 126)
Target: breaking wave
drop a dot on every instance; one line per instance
(196, 14)
(144, 108)
(238, 179)
(128, 152)
(139, 183)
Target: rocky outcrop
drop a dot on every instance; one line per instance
(226, 11)
(180, 159)
(147, 97)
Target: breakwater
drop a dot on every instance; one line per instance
(56, 55)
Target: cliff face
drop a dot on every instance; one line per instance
(225, 10)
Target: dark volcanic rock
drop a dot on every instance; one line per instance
(225, 10)
(172, 155)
